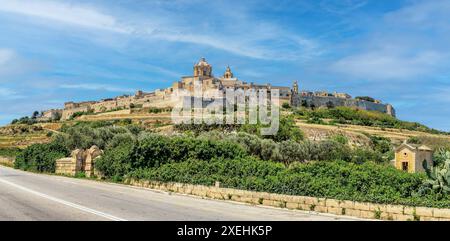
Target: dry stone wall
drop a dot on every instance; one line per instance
(321, 205)
(8, 161)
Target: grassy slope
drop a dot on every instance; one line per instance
(355, 133)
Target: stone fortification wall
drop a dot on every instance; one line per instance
(325, 101)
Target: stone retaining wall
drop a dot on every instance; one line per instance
(8, 161)
(321, 205)
(66, 166)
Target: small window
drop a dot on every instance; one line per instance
(404, 166)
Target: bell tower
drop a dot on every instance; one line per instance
(295, 87)
(228, 74)
(202, 69)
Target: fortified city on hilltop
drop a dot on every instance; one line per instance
(203, 72)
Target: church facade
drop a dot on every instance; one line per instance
(203, 72)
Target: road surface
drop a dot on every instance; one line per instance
(29, 196)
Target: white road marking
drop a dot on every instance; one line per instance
(73, 205)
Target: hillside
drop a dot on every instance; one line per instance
(358, 134)
(310, 122)
(324, 159)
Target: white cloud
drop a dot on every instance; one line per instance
(384, 65)
(95, 87)
(12, 64)
(342, 6)
(6, 55)
(424, 14)
(247, 37)
(9, 62)
(404, 45)
(61, 13)
(9, 94)
(6, 92)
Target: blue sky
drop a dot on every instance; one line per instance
(56, 51)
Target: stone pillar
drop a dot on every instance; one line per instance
(91, 154)
(79, 157)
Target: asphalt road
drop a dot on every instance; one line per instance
(29, 196)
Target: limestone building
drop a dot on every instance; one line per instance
(410, 157)
(50, 115)
(203, 73)
(324, 99)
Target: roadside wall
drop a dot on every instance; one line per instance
(66, 166)
(7, 161)
(321, 205)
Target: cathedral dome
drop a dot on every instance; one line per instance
(203, 62)
(202, 69)
(228, 73)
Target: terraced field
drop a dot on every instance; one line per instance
(23, 140)
(161, 122)
(357, 135)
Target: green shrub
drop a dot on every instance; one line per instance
(117, 160)
(154, 110)
(41, 157)
(347, 115)
(287, 129)
(339, 138)
(368, 182)
(151, 150)
(9, 152)
(414, 140)
(85, 136)
(286, 106)
(381, 144)
(362, 155)
(24, 120)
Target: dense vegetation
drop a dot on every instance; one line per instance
(41, 157)
(241, 158)
(340, 180)
(9, 152)
(287, 129)
(347, 115)
(24, 120)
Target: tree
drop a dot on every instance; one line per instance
(35, 115)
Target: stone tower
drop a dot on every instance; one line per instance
(390, 110)
(203, 69)
(295, 87)
(228, 74)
